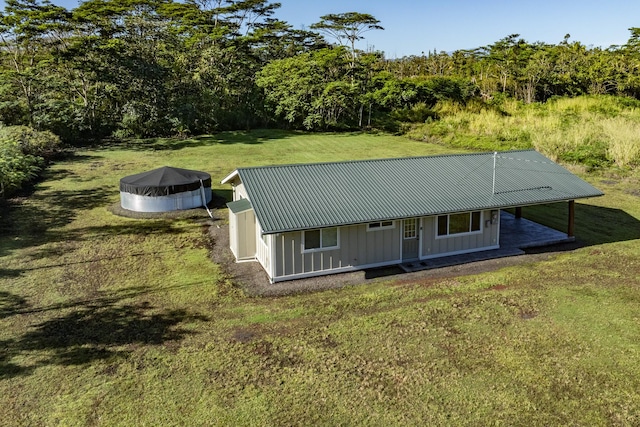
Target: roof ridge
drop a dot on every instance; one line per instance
(376, 160)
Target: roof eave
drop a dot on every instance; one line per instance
(230, 177)
(426, 214)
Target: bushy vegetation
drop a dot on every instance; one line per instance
(23, 154)
(590, 130)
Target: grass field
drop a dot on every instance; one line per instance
(110, 321)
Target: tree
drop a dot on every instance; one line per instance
(632, 51)
(29, 32)
(347, 26)
(317, 92)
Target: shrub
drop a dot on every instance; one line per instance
(418, 113)
(30, 141)
(15, 168)
(22, 155)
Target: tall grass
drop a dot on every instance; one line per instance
(624, 140)
(591, 130)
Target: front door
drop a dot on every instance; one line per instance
(410, 239)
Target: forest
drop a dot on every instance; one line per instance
(163, 68)
(152, 68)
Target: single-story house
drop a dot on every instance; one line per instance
(305, 220)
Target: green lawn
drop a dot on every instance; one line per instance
(110, 321)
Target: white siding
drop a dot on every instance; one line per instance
(242, 234)
(263, 250)
(233, 233)
(239, 191)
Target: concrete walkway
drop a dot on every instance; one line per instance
(515, 235)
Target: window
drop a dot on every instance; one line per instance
(410, 229)
(443, 225)
(459, 223)
(468, 222)
(380, 225)
(315, 240)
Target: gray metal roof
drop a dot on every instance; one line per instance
(239, 205)
(306, 196)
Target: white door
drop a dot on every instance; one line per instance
(410, 239)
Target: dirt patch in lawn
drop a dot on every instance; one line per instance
(251, 277)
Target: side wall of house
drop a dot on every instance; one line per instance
(434, 246)
(242, 234)
(244, 231)
(250, 234)
(263, 249)
(362, 248)
(239, 192)
(233, 233)
(358, 248)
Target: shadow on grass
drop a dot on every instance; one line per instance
(226, 195)
(11, 304)
(86, 331)
(26, 225)
(57, 174)
(17, 272)
(594, 225)
(258, 136)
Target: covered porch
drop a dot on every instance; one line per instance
(516, 234)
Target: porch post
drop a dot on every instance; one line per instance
(518, 212)
(572, 210)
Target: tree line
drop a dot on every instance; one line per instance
(133, 68)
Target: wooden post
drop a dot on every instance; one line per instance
(518, 212)
(572, 211)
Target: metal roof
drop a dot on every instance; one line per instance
(239, 205)
(306, 196)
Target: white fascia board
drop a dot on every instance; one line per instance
(230, 177)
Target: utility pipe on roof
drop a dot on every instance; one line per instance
(495, 156)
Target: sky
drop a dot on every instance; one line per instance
(416, 26)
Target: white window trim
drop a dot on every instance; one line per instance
(321, 248)
(381, 227)
(468, 233)
(416, 228)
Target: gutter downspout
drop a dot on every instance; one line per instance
(204, 199)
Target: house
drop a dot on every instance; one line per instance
(306, 220)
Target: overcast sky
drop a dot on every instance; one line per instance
(415, 26)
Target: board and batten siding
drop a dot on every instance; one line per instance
(233, 234)
(242, 234)
(358, 248)
(263, 250)
(239, 191)
(434, 246)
